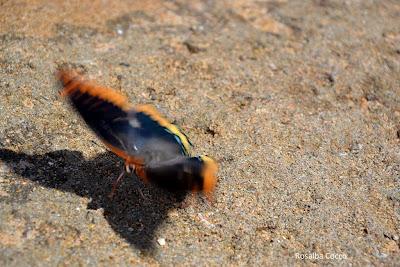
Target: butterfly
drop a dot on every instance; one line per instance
(155, 149)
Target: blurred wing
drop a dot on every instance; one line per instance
(139, 135)
(182, 174)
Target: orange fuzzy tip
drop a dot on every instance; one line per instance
(210, 169)
(73, 81)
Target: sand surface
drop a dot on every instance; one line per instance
(299, 101)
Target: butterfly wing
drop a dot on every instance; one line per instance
(139, 135)
(182, 174)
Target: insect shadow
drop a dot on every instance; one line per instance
(133, 217)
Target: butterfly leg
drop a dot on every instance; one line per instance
(141, 194)
(139, 171)
(117, 182)
(130, 169)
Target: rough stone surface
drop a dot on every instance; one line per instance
(299, 101)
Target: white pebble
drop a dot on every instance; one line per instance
(161, 241)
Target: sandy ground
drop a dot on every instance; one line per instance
(299, 101)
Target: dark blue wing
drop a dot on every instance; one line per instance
(137, 133)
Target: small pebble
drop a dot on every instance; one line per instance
(4, 168)
(161, 241)
(205, 221)
(381, 255)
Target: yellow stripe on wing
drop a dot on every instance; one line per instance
(156, 116)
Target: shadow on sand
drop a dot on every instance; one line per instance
(132, 217)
